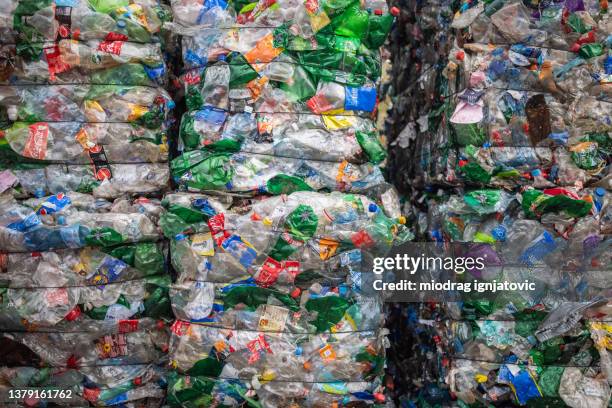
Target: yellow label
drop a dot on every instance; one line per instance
(319, 20)
(137, 112)
(337, 122)
(273, 318)
(480, 378)
(202, 244)
(83, 138)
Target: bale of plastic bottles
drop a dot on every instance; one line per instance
(279, 195)
(85, 306)
(512, 156)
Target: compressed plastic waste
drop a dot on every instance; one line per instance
(508, 155)
(279, 197)
(84, 145)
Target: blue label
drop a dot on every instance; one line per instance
(539, 248)
(194, 60)
(361, 99)
(66, 3)
(211, 115)
(156, 73)
(109, 271)
(241, 251)
(73, 236)
(53, 204)
(117, 400)
(25, 224)
(202, 205)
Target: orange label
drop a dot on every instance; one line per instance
(256, 85)
(327, 248)
(263, 53)
(327, 353)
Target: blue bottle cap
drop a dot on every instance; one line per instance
(180, 237)
(536, 172)
(298, 351)
(222, 57)
(372, 207)
(600, 192)
(61, 220)
(121, 23)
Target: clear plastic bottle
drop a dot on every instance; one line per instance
(215, 92)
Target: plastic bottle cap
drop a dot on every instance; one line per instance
(600, 192)
(395, 11)
(536, 173)
(298, 351)
(267, 221)
(12, 113)
(402, 220)
(372, 207)
(296, 292)
(180, 237)
(222, 57)
(61, 220)
(137, 381)
(378, 12)
(121, 23)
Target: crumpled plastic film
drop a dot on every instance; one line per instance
(84, 149)
(508, 155)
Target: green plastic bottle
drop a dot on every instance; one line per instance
(300, 226)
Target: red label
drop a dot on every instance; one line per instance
(361, 239)
(180, 328)
(73, 314)
(319, 104)
(292, 268)
(91, 394)
(103, 174)
(268, 273)
(191, 78)
(115, 37)
(290, 240)
(111, 47)
(311, 6)
(128, 326)
(55, 63)
(256, 347)
(36, 145)
(57, 297)
(216, 225)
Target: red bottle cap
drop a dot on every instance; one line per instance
(395, 11)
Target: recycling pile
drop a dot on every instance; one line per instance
(279, 197)
(83, 165)
(515, 154)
